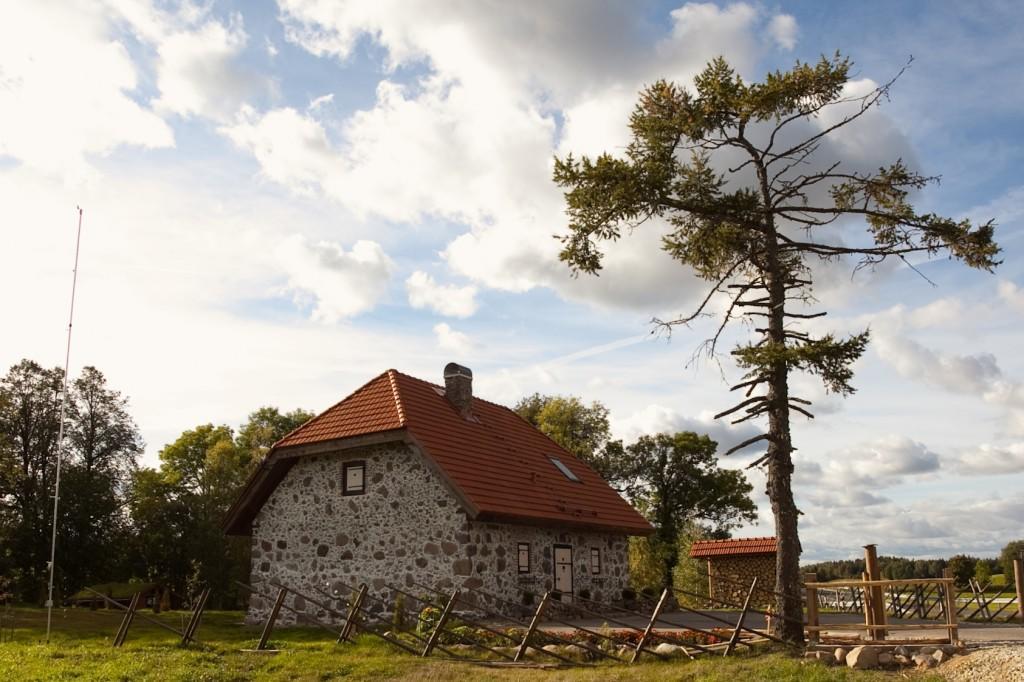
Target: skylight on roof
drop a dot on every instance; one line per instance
(564, 469)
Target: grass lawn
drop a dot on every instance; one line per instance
(80, 650)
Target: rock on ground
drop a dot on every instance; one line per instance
(998, 664)
(862, 657)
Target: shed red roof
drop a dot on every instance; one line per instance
(712, 548)
(496, 462)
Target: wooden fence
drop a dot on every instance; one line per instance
(465, 615)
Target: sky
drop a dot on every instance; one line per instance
(283, 200)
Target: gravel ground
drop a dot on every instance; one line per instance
(996, 664)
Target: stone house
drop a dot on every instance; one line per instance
(733, 565)
(409, 483)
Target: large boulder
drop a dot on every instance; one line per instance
(862, 658)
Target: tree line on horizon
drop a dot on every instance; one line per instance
(963, 566)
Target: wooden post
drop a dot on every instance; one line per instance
(949, 588)
(812, 605)
(869, 611)
(711, 585)
(743, 616)
(197, 614)
(269, 626)
(436, 634)
(650, 626)
(126, 622)
(533, 626)
(353, 615)
(877, 598)
(1018, 579)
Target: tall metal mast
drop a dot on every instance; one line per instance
(60, 431)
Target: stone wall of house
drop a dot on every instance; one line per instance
(407, 528)
(730, 577)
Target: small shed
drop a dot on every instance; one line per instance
(733, 565)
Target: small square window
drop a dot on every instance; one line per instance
(353, 478)
(565, 470)
(595, 560)
(524, 557)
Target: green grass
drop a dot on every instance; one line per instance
(80, 650)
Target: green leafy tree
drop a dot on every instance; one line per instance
(102, 447)
(751, 192)
(29, 420)
(583, 430)
(983, 572)
(266, 426)
(675, 479)
(178, 509)
(962, 567)
(1012, 550)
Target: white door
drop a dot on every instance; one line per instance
(563, 571)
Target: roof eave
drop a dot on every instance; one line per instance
(580, 524)
(239, 517)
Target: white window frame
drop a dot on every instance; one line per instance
(520, 548)
(595, 560)
(345, 469)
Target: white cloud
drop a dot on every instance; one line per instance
(445, 299)
(471, 140)
(342, 283)
(988, 459)
(1012, 295)
(292, 148)
(66, 89)
(783, 30)
(978, 374)
(880, 463)
(660, 419)
(198, 72)
(451, 340)
(320, 101)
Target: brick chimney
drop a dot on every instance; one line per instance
(458, 387)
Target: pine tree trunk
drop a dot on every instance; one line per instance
(789, 605)
(780, 491)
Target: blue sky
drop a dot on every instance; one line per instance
(284, 199)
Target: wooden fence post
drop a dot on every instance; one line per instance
(1018, 579)
(126, 622)
(743, 616)
(650, 626)
(269, 626)
(197, 614)
(877, 598)
(436, 634)
(353, 614)
(812, 606)
(533, 626)
(869, 610)
(950, 592)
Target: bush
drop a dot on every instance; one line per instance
(427, 620)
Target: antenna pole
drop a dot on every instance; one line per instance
(60, 431)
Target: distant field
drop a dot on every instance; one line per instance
(80, 650)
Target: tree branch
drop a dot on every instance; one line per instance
(749, 441)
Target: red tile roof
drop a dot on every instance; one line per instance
(496, 462)
(713, 548)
